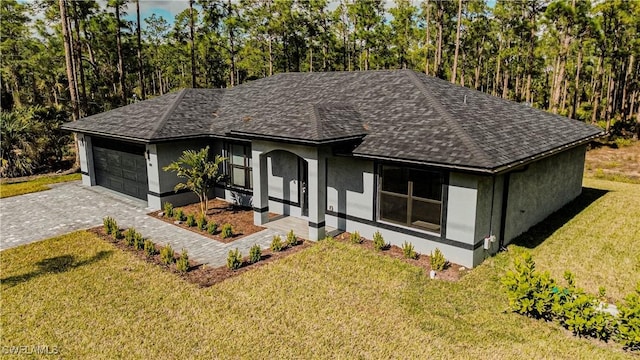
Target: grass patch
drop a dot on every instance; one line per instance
(599, 244)
(332, 300)
(31, 186)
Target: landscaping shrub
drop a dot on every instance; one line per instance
(129, 236)
(628, 322)
(118, 234)
(110, 225)
(168, 209)
(378, 241)
(255, 254)
(183, 262)
(438, 262)
(234, 259)
(276, 243)
(212, 228)
(149, 248)
(409, 251)
(227, 231)
(191, 220)
(355, 238)
(292, 240)
(138, 241)
(201, 222)
(530, 293)
(537, 295)
(167, 255)
(178, 215)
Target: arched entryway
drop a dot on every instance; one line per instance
(290, 179)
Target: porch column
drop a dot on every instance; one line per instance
(260, 188)
(85, 150)
(317, 189)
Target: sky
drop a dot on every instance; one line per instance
(168, 9)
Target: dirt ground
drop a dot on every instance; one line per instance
(607, 161)
(219, 212)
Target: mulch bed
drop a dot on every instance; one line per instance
(452, 272)
(220, 212)
(201, 274)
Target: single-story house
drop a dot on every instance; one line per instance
(412, 156)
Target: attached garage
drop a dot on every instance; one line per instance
(121, 167)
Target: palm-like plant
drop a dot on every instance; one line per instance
(201, 174)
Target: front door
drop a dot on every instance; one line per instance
(303, 175)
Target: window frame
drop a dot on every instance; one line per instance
(410, 198)
(229, 166)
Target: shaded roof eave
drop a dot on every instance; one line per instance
(482, 170)
(256, 136)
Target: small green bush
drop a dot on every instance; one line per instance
(276, 243)
(227, 231)
(149, 248)
(168, 210)
(438, 261)
(628, 322)
(201, 222)
(292, 239)
(212, 228)
(178, 215)
(183, 262)
(110, 225)
(118, 234)
(138, 241)
(129, 236)
(530, 293)
(409, 251)
(355, 238)
(378, 241)
(191, 220)
(255, 254)
(622, 142)
(580, 312)
(167, 255)
(234, 259)
(537, 295)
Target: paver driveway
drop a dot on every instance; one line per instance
(71, 206)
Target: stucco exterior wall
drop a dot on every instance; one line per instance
(284, 183)
(544, 187)
(351, 206)
(85, 150)
(162, 183)
(488, 215)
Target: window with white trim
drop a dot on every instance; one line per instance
(410, 197)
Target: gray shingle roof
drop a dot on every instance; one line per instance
(397, 114)
(183, 114)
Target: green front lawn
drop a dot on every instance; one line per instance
(39, 184)
(333, 300)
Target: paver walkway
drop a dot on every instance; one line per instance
(71, 206)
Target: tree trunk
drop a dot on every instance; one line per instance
(576, 84)
(80, 67)
(193, 50)
(232, 48)
(609, 102)
(427, 37)
(498, 62)
(139, 36)
(270, 56)
(70, 78)
(438, 61)
(455, 53)
(596, 91)
(123, 90)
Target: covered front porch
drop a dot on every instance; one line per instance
(300, 227)
(290, 180)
